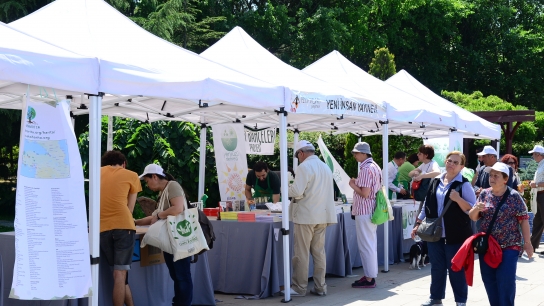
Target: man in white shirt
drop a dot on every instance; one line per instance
(393, 170)
(311, 212)
(538, 183)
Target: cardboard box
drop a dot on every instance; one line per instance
(150, 255)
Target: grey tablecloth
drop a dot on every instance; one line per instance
(247, 258)
(150, 285)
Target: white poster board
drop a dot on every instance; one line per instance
(51, 237)
(409, 212)
(311, 103)
(340, 176)
(230, 159)
(260, 142)
(441, 149)
(456, 141)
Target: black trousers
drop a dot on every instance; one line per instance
(538, 221)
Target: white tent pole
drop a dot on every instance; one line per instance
(295, 141)
(385, 150)
(202, 162)
(285, 202)
(498, 148)
(95, 128)
(109, 143)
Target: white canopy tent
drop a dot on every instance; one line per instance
(136, 63)
(313, 101)
(469, 124)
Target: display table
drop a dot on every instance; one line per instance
(150, 285)
(247, 258)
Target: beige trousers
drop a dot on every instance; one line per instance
(309, 238)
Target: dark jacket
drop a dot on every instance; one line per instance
(456, 221)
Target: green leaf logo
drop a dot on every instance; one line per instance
(229, 139)
(184, 228)
(30, 114)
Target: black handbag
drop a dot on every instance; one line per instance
(481, 243)
(430, 229)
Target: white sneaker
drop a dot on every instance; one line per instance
(293, 292)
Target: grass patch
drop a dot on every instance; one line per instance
(6, 229)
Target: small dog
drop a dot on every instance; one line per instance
(418, 254)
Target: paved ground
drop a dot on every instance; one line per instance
(402, 286)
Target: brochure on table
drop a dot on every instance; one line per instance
(51, 238)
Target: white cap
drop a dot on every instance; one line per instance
(537, 149)
(488, 150)
(152, 169)
(498, 166)
(305, 144)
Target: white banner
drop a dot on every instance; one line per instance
(441, 149)
(340, 176)
(260, 142)
(51, 237)
(409, 212)
(230, 160)
(456, 141)
(308, 103)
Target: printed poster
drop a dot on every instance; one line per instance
(231, 161)
(260, 142)
(340, 176)
(51, 238)
(409, 212)
(456, 141)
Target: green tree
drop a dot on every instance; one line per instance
(383, 64)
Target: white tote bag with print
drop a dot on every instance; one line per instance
(158, 234)
(186, 235)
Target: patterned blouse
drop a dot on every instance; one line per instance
(506, 229)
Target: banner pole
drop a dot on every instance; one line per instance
(385, 182)
(202, 162)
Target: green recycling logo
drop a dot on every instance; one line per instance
(229, 139)
(184, 228)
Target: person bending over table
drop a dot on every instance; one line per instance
(266, 184)
(172, 200)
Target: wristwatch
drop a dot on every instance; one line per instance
(418, 223)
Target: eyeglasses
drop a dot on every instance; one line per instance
(449, 161)
(511, 163)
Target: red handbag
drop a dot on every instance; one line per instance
(415, 185)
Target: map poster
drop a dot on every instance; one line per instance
(51, 237)
(230, 159)
(340, 176)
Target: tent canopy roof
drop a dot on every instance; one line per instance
(467, 122)
(26, 59)
(134, 61)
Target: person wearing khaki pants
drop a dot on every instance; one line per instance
(311, 211)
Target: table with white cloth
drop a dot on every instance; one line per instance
(150, 285)
(247, 257)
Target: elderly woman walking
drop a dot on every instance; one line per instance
(500, 282)
(449, 186)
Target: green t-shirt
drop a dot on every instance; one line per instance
(274, 180)
(404, 169)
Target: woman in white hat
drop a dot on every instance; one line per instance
(500, 282)
(173, 202)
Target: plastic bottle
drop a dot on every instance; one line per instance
(394, 196)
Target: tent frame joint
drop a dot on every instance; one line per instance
(284, 232)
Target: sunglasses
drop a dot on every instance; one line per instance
(511, 163)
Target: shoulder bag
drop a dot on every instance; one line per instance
(420, 188)
(481, 243)
(430, 229)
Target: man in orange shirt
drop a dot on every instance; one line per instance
(119, 188)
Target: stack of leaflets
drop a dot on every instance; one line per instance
(229, 215)
(246, 217)
(268, 218)
(274, 206)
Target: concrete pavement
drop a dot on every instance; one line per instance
(402, 286)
